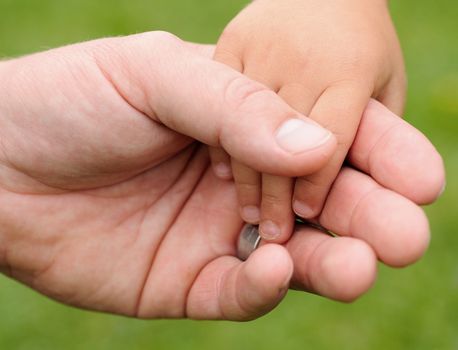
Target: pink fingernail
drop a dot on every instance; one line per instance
(251, 214)
(303, 210)
(223, 171)
(269, 230)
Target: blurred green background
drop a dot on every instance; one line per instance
(415, 308)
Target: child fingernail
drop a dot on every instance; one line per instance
(303, 210)
(251, 214)
(297, 135)
(269, 230)
(223, 171)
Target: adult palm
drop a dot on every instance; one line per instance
(104, 206)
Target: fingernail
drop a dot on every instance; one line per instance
(303, 210)
(222, 170)
(297, 135)
(269, 230)
(251, 214)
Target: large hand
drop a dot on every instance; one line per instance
(104, 209)
(97, 191)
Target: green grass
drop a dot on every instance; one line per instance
(415, 308)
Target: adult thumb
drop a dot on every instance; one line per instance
(216, 105)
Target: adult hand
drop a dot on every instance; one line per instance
(104, 206)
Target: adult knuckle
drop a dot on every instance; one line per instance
(241, 93)
(153, 42)
(163, 37)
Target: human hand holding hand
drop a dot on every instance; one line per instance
(104, 206)
(326, 59)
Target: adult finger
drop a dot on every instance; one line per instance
(340, 268)
(231, 290)
(397, 156)
(396, 228)
(214, 104)
(339, 109)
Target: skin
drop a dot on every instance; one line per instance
(326, 59)
(108, 203)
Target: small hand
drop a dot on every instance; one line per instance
(326, 59)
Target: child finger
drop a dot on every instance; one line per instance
(300, 96)
(221, 163)
(248, 186)
(277, 217)
(339, 109)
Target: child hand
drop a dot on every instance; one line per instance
(326, 59)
